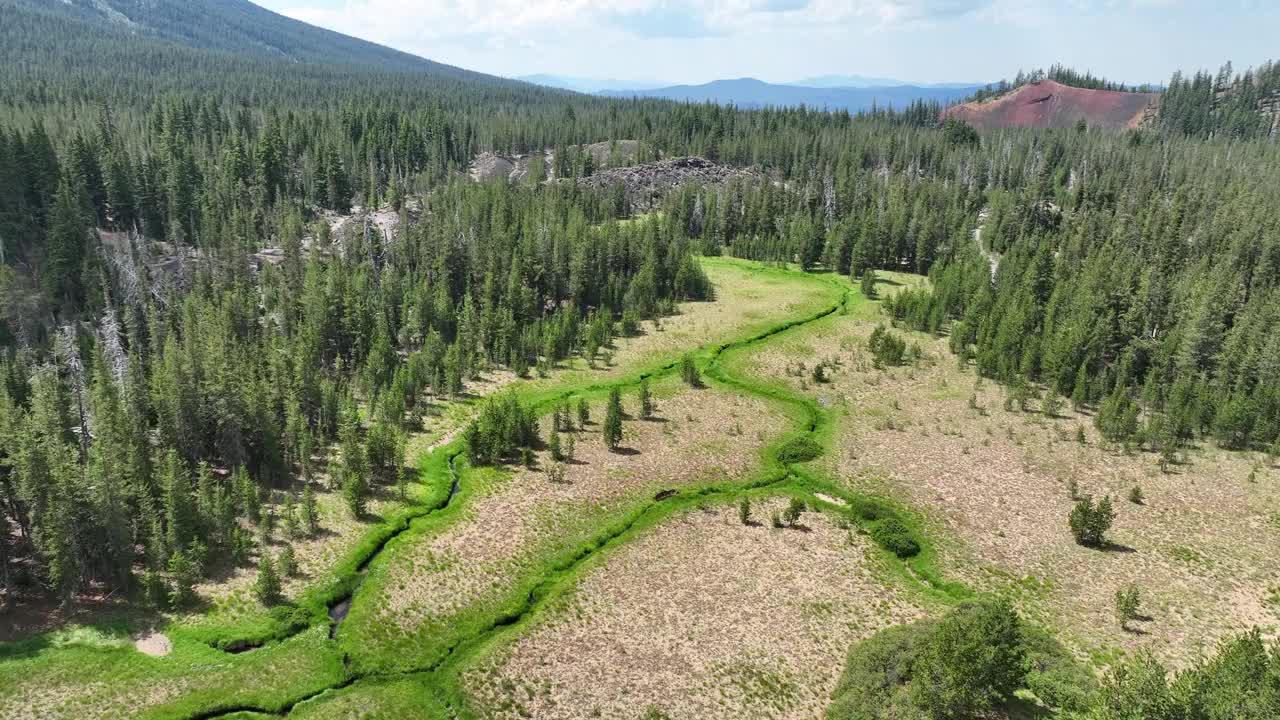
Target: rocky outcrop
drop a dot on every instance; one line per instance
(515, 167)
(646, 184)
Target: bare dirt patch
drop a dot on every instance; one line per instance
(153, 643)
(1199, 548)
(696, 435)
(702, 617)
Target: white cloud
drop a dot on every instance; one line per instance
(411, 21)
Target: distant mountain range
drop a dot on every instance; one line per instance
(862, 81)
(587, 85)
(752, 93)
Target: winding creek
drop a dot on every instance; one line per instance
(548, 587)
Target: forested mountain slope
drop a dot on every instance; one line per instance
(233, 26)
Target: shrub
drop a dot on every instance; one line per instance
(820, 374)
(1090, 523)
(776, 519)
(885, 347)
(870, 510)
(288, 564)
(794, 510)
(1053, 675)
(1135, 495)
(893, 535)
(1127, 601)
(1052, 405)
(801, 449)
(555, 472)
(689, 372)
(744, 511)
(289, 620)
(874, 683)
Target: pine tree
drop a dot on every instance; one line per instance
(1090, 522)
(613, 420)
(355, 492)
(266, 587)
(553, 443)
(310, 513)
(183, 575)
(646, 399)
(154, 588)
(868, 284)
(570, 447)
(67, 246)
(288, 564)
(179, 505)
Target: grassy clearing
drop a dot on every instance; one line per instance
(734, 621)
(1200, 547)
(85, 673)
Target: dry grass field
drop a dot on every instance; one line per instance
(696, 435)
(701, 617)
(1201, 547)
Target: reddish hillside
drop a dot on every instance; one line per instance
(1048, 104)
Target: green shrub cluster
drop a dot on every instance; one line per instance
(965, 664)
(799, 450)
(885, 347)
(893, 535)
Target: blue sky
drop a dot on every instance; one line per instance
(780, 40)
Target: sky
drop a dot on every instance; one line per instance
(693, 41)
